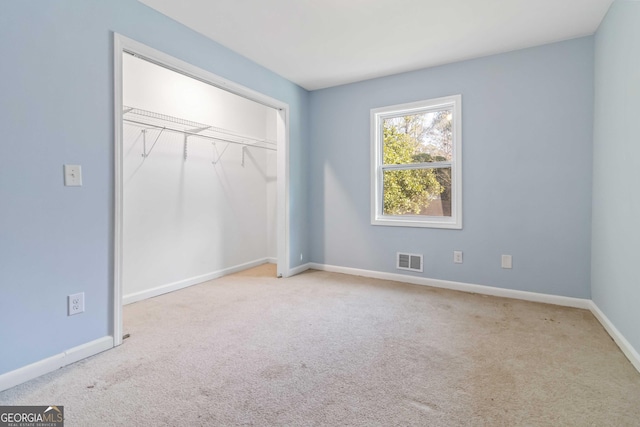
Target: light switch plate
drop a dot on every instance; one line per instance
(72, 175)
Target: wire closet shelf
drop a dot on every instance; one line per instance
(163, 122)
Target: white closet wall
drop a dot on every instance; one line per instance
(186, 221)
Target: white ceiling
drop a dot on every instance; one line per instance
(323, 43)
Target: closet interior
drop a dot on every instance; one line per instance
(199, 181)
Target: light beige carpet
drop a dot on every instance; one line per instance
(325, 349)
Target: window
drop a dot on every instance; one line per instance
(416, 164)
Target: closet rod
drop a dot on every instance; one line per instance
(186, 132)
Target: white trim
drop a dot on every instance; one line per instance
(583, 303)
(299, 269)
(282, 193)
(460, 286)
(617, 337)
(118, 191)
(454, 102)
(42, 367)
(181, 284)
(50, 364)
(122, 44)
(170, 62)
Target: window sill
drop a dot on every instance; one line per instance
(418, 222)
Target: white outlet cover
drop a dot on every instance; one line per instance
(75, 303)
(457, 257)
(72, 175)
(506, 261)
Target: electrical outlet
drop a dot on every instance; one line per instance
(457, 257)
(75, 303)
(506, 261)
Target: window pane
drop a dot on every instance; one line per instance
(424, 192)
(418, 138)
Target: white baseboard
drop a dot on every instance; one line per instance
(297, 270)
(181, 284)
(34, 370)
(625, 346)
(459, 286)
(587, 304)
(50, 364)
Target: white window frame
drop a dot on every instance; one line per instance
(378, 115)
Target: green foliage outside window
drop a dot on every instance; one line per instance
(410, 191)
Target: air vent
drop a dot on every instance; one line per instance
(410, 262)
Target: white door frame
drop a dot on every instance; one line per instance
(123, 44)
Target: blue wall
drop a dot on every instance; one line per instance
(527, 164)
(56, 81)
(616, 171)
(527, 158)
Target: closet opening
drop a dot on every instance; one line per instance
(200, 171)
